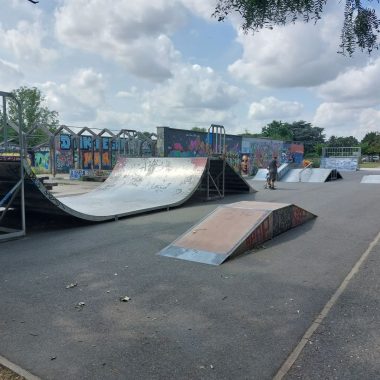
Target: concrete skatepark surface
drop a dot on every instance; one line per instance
(187, 320)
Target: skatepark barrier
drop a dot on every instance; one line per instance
(233, 229)
(136, 185)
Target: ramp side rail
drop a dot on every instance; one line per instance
(7, 233)
(217, 150)
(308, 166)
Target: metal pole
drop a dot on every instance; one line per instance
(22, 157)
(100, 139)
(5, 122)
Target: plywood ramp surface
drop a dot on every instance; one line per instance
(233, 229)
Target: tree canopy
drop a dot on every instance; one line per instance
(361, 26)
(199, 129)
(277, 130)
(34, 112)
(349, 141)
(371, 143)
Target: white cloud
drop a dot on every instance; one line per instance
(78, 98)
(194, 93)
(272, 108)
(340, 119)
(132, 33)
(25, 43)
(202, 8)
(127, 94)
(357, 87)
(351, 101)
(296, 55)
(10, 75)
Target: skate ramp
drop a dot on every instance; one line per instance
(311, 175)
(370, 179)
(233, 229)
(136, 185)
(261, 175)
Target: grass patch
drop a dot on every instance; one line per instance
(370, 165)
(7, 374)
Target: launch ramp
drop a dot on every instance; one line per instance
(136, 185)
(233, 229)
(370, 179)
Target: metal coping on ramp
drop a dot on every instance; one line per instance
(234, 229)
(136, 185)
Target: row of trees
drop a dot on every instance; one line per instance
(314, 138)
(35, 112)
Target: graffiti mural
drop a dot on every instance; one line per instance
(184, 143)
(78, 173)
(64, 161)
(41, 160)
(260, 152)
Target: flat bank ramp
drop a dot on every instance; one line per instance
(313, 175)
(233, 229)
(370, 179)
(136, 185)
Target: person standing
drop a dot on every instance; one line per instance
(273, 165)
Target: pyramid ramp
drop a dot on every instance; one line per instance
(233, 229)
(370, 179)
(313, 175)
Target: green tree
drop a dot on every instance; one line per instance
(371, 143)
(198, 129)
(277, 130)
(34, 112)
(361, 25)
(309, 135)
(349, 141)
(246, 133)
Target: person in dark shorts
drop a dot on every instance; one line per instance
(273, 172)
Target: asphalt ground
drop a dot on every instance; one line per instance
(187, 320)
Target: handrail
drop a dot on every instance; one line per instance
(301, 171)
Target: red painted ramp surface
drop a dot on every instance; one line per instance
(233, 229)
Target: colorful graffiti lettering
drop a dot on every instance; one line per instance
(78, 173)
(42, 160)
(64, 142)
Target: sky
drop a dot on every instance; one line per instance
(139, 64)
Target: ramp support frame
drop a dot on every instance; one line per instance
(215, 180)
(7, 233)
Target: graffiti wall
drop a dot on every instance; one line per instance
(68, 156)
(41, 160)
(259, 152)
(184, 143)
(64, 153)
(340, 163)
(256, 153)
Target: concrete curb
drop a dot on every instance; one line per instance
(15, 368)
